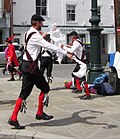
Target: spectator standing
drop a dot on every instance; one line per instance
(11, 58)
(116, 68)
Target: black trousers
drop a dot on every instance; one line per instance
(77, 67)
(117, 87)
(46, 63)
(29, 80)
(11, 68)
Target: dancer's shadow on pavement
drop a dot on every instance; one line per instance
(75, 118)
(58, 88)
(93, 96)
(7, 102)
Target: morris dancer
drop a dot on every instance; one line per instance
(31, 73)
(77, 50)
(80, 76)
(46, 60)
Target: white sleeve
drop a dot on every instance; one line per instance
(24, 39)
(40, 41)
(72, 49)
(117, 60)
(78, 61)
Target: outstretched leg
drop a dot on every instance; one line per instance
(40, 114)
(13, 119)
(78, 85)
(87, 92)
(27, 86)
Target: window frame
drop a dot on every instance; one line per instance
(40, 7)
(70, 13)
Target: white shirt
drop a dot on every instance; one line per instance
(36, 42)
(46, 54)
(116, 63)
(76, 48)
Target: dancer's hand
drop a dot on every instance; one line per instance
(69, 55)
(46, 100)
(69, 46)
(61, 46)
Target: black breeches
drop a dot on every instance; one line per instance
(77, 67)
(29, 80)
(46, 63)
(11, 68)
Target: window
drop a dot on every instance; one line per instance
(41, 7)
(104, 49)
(2, 48)
(70, 12)
(17, 40)
(1, 34)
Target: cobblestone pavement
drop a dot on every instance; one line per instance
(98, 118)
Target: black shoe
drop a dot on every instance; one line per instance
(73, 87)
(76, 91)
(44, 116)
(84, 97)
(11, 79)
(15, 124)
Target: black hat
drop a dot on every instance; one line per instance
(7, 40)
(73, 33)
(37, 17)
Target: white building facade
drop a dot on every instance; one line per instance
(68, 15)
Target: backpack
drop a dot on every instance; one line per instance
(104, 89)
(100, 79)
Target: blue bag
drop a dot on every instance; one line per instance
(107, 89)
(100, 79)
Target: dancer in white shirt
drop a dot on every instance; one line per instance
(31, 73)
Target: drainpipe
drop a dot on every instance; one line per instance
(11, 18)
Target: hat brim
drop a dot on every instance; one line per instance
(37, 17)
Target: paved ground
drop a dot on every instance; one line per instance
(98, 118)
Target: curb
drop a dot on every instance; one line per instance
(17, 134)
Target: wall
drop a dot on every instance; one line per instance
(23, 9)
(57, 14)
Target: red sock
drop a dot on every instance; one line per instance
(78, 84)
(68, 85)
(16, 109)
(40, 104)
(87, 89)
